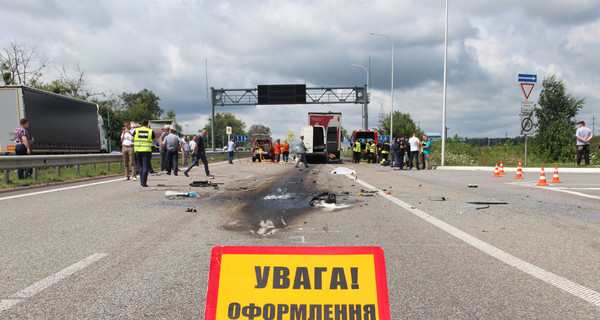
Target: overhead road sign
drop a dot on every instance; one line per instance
(527, 77)
(282, 94)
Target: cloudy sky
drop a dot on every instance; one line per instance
(129, 45)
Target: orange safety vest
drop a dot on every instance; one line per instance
(277, 148)
(285, 147)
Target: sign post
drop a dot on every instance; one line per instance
(527, 82)
(228, 130)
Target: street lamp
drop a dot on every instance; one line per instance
(392, 110)
(444, 128)
(365, 117)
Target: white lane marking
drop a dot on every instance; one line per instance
(564, 284)
(581, 194)
(59, 189)
(555, 187)
(43, 284)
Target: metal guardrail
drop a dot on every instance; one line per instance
(48, 161)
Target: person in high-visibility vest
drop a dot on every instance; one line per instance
(143, 138)
(385, 151)
(285, 151)
(373, 153)
(277, 150)
(356, 150)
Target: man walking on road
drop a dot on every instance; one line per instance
(200, 154)
(584, 135)
(301, 153)
(143, 139)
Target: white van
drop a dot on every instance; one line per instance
(314, 140)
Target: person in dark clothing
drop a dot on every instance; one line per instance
(200, 154)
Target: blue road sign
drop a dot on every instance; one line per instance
(527, 77)
(382, 138)
(241, 138)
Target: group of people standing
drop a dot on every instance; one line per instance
(403, 152)
(282, 150)
(139, 143)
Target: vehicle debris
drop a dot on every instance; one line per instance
(323, 197)
(191, 210)
(327, 201)
(176, 194)
(437, 198)
(342, 170)
(204, 183)
(286, 196)
(487, 202)
(472, 186)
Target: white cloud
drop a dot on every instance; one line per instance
(126, 46)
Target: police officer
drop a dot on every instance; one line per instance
(143, 139)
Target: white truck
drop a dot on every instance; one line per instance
(314, 140)
(57, 124)
(332, 122)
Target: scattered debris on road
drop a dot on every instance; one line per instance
(437, 198)
(487, 202)
(176, 194)
(342, 170)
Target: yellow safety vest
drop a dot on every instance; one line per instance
(143, 140)
(357, 146)
(373, 148)
(383, 150)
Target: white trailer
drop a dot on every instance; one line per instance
(57, 124)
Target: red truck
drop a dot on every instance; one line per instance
(332, 122)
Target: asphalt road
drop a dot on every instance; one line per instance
(110, 249)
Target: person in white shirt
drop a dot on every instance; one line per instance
(231, 149)
(185, 146)
(192, 146)
(414, 151)
(584, 135)
(127, 151)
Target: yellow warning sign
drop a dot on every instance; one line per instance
(297, 283)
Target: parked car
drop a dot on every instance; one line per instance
(262, 148)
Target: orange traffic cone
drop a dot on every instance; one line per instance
(555, 176)
(519, 172)
(501, 168)
(496, 173)
(542, 179)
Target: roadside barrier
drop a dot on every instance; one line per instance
(555, 176)
(542, 179)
